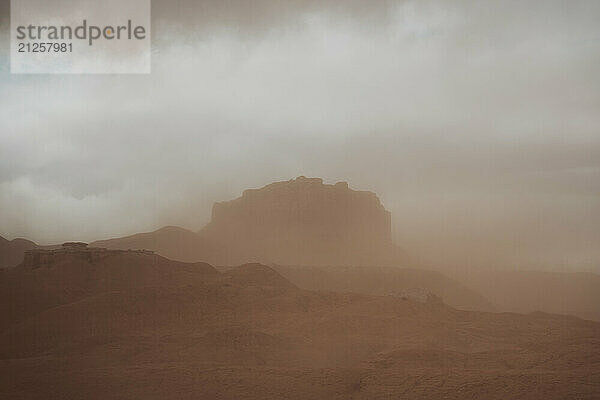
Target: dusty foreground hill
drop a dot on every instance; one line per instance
(383, 281)
(575, 293)
(131, 325)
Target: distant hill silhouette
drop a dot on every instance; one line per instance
(573, 293)
(171, 241)
(11, 251)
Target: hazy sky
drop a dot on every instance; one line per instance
(476, 122)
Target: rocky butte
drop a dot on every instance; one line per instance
(302, 221)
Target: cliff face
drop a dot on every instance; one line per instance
(301, 221)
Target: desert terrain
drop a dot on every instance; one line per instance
(300, 199)
(101, 324)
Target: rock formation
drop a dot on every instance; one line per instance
(297, 222)
(302, 221)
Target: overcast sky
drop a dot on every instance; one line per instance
(476, 122)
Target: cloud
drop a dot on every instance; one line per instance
(475, 122)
